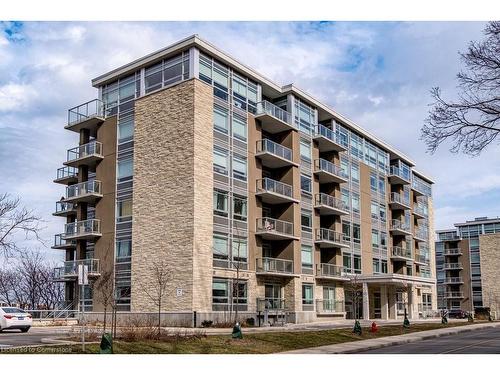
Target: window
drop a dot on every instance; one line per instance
(123, 249)
(383, 240)
(239, 167)
(153, 78)
(346, 230)
(356, 233)
(125, 170)
(220, 203)
(355, 202)
(220, 118)
(381, 185)
(375, 238)
(373, 182)
(220, 291)
(239, 292)
(344, 166)
(357, 263)
(240, 208)
(345, 198)
(306, 221)
(305, 150)
(347, 262)
(220, 160)
(383, 213)
(355, 172)
(307, 257)
(220, 243)
(376, 266)
(307, 294)
(124, 210)
(239, 127)
(374, 208)
(384, 266)
(239, 250)
(305, 184)
(125, 129)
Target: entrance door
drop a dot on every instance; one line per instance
(273, 300)
(328, 298)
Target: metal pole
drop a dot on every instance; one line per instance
(83, 318)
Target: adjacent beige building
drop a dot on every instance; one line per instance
(254, 197)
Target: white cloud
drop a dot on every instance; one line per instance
(15, 97)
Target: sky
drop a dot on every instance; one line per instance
(378, 74)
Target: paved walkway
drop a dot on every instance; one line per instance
(363, 345)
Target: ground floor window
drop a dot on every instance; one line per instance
(222, 289)
(307, 294)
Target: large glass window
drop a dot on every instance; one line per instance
(153, 78)
(125, 169)
(307, 257)
(305, 184)
(307, 294)
(240, 252)
(306, 220)
(239, 167)
(240, 208)
(305, 150)
(355, 202)
(123, 249)
(220, 244)
(239, 127)
(125, 129)
(124, 210)
(375, 238)
(355, 172)
(220, 203)
(356, 233)
(220, 291)
(221, 118)
(220, 160)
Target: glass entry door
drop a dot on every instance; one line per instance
(328, 298)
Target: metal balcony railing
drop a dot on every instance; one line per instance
(265, 107)
(93, 148)
(399, 252)
(66, 172)
(264, 304)
(453, 280)
(84, 227)
(399, 198)
(83, 188)
(421, 258)
(326, 306)
(266, 145)
(448, 237)
(330, 201)
(82, 112)
(399, 225)
(324, 234)
(452, 266)
(274, 265)
(321, 130)
(268, 224)
(329, 167)
(273, 186)
(453, 295)
(421, 233)
(452, 252)
(62, 207)
(330, 270)
(70, 268)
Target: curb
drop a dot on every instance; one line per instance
(397, 340)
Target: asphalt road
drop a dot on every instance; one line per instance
(34, 336)
(485, 341)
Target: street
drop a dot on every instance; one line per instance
(486, 341)
(34, 336)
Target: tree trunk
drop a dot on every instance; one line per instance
(159, 317)
(105, 315)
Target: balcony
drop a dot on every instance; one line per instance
(327, 139)
(274, 155)
(420, 188)
(270, 304)
(61, 243)
(329, 172)
(399, 202)
(330, 307)
(452, 295)
(421, 235)
(70, 269)
(274, 229)
(86, 116)
(274, 192)
(331, 272)
(453, 280)
(399, 228)
(401, 254)
(327, 238)
(274, 266)
(88, 192)
(88, 154)
(64, 209)
(273, 119)
(445, 237)
(452, 252)
(420, 211)
(66, 175)
(329, 205)
(83, 230)
(421, 260)
(452, 266)
(398, 176)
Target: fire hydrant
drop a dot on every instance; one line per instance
(374, 328)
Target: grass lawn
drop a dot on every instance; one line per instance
(256, 343)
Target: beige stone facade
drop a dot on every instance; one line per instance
(489, 245)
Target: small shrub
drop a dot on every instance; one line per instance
(250, 322)
(207, 323)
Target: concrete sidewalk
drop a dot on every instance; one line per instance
(362, 345)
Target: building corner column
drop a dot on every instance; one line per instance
(384, 302)
(366, 302)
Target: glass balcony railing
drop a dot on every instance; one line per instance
(270, 225)
(420, 209)
(452, 252)
(325, 306)
(448, 237)
(273, 186)
(70, 268)
(453, 295)
(265, 107)
(420, 258)
(399, 172)
(328, 167)
(453, 280)
(399, 225)
(400, 198)
(85, 111)
(266, 145)
(421, 233)
(64, 207)
(93, 148)
(330, 201)
(330, 270)
(264, 304)
(84, 188)
(66, 172)
(328, 235)
(60, 242)
(452, 266)
(82, 228)
(399, 252)
(274, 265)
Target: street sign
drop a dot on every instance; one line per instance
(83, 274)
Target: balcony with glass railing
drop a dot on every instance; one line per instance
(330, 205)
(330, 307)
(421, 234)
(88, 191)
(274, 192)
(420, 187)
(328, 172)
(452, 266)
(453, 280)
(81, 230)
(331, 271)
(274, 229)
(274, 119)
(447, 236)
(451, 295)
(420, 210)
(271, 304)
(400, 253)
(88, 154)
(327, 139)
(327, 238)
(398, 176)
(452, 252)
(86, 116)
(397, 227)
(61, 243)
(66, 175)
(399, 201)
(64, 209)
(274, 266)
(421, 259)
(274, 155)
(69, 270)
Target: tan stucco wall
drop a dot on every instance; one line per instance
(172, 199)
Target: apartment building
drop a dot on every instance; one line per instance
(254, 196)
(467, 263)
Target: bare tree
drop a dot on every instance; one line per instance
(473, 121)
(157, 291)
(8, 281)
(104, 287)
(15, 220)
(354, 288)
